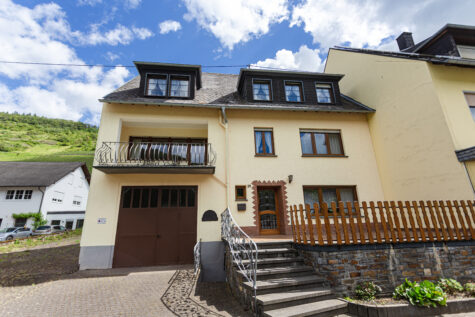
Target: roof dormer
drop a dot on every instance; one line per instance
(289, 87)
(168, 81)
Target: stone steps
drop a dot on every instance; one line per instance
(329, 307)
(285, 286)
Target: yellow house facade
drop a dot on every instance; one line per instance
(423, 130)
(176, 147)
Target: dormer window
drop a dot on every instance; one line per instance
(324, 93)
(179, 86)
(157, 85)
(293, 91)
(261, 90)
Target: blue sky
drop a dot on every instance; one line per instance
(289, 34)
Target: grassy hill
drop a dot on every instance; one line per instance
(33, 138)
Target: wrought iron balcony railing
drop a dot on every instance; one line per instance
(150, 154)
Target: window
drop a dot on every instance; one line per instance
(157, 85)
(321, 143)
(58, 197)
(466, 51)
(10, 194)
(28, 194)
(79, 223)
(77, 200)
(55, 222)
(19, 194)
(179, 86)
(293, 91)
(20, 222)
(329, 194)
(324, 93)
(168, 86)
(264, 140)
(241, 192)
(471, 103)
(261, 90)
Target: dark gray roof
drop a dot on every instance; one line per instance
(22, 174)
(416, 48)
(434, 59)
(219, 90)
(467, 154)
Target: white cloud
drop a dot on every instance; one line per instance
(119, 35)
(237, 21)
(53, 91)
(89, 2)
(132, 4)
(368, 23)
(305, 59)
(169, 26)
(112, 56)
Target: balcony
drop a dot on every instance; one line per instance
(155, 158)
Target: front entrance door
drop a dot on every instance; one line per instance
(268, 209)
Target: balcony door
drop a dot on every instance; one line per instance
(268, 208)
(178, 151)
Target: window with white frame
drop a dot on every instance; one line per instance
(19, 194)
(77, 200)
(28, 194)
(10, 194)
(58, 197)
(470, 97)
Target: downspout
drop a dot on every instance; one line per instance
(224, 124)
(42, 198)
(469, 178)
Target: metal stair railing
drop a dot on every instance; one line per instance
(243, 250)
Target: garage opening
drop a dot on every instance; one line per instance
(156, 226)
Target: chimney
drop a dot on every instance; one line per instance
(405, 40)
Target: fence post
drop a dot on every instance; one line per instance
(343, 223)
(327, 224)
(316, 207)
(358, 220)
(310, 224)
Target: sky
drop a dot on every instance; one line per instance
(287, 34)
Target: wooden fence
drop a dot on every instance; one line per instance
(383, 222)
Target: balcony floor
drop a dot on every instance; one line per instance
(117, 169)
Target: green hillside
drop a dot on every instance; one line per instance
(33, 138)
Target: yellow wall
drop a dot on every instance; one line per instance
(450, 84)
(120, 121)
(412, 140)
(104, 194)
(359, 168)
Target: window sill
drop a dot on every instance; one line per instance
(265, 155)
(312, 155)
(241, 199)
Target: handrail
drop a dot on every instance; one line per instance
(197, 256)
(156, 154)
(243, 249)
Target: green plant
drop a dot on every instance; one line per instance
(37, 216)
(424, 293)
(367, 291)
(469, 288)
(450, 286)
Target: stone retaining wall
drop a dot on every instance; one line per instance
(388, 265)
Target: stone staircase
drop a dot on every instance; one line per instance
(287, 287)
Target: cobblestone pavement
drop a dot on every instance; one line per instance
(156, 291)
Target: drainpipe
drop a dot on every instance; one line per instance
(224, 124)
(469, 178)
(42, 197)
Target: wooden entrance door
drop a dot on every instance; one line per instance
(268, 209)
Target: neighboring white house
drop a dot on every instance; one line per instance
(58, 189)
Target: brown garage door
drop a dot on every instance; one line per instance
(157, 226)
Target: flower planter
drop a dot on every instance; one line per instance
(454, 306)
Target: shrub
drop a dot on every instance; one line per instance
(367, 291)
(469, 288)
(424, 293)
(450, 286)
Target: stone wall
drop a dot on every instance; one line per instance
(234, 280)
(388, 265)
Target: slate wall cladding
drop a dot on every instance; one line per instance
(388, 265)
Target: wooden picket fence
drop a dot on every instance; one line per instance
(383, 222)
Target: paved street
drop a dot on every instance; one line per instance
(157, 291)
